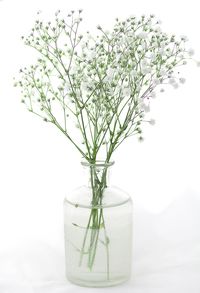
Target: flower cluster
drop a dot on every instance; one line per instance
(105, 82)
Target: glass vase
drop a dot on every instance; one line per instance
(98, 231)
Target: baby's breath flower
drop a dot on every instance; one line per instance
(105, 81)
(184, 38)
(133, 73)
(126, 92)
(190, 52)
(152, 121)
(145, 107)
(142, 35)
(77, 20)
(182, 80)
(159, 22)
(145, 70)
(110, 72)
(163, 72)
(175, 85)
(140, 138)
(153, 95)
(172, 81)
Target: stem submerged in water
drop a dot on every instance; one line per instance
(96, 220)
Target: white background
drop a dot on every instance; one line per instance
(38, 167)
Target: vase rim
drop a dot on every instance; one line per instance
(98, 163)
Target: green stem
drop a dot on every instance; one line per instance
(97, 219)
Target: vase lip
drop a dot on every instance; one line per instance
(98, 163)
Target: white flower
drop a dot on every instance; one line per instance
(118, 57)
(153, 95)
(149, 22)
(126, 92)
(161, 51)
(163, 45)
(175, 85)
(83, 45)
(89, 36)
(144, 107)
(108, 79)
(77, 20)
(157, 29)
(142, 115)
(190, 52)
(66, 90)
(140, 139)
(142, 35)
(157, 81)
(146, 70)
(152, 56)
(147, 108)
(163, 72)
(133, 73)
(172, 81)
(91, 55)
(152, 121)
(182, 80)
(73, 70)
(144, 63)
(198, 63)
(110, 72)
(85, 85)
(184, 38)
(125, 39)
(140, 48)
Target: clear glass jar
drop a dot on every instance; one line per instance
(98, 231)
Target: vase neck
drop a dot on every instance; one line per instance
(97, 174)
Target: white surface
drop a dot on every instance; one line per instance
(166, 257)
(38, 166)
